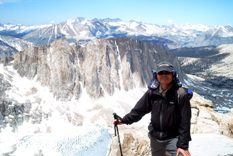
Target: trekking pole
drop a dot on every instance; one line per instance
(116, 117)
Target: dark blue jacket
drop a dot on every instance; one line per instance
(170, 115)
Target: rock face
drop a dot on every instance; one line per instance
(100, 66)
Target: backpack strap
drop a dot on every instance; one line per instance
(181, 91)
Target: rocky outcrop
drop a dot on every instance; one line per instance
(12, 113)
(206, 120)
(101, 66)
(131, 146)
(225, 123)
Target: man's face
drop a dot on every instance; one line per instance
(164, 77)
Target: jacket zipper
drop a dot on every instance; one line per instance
(161, 121)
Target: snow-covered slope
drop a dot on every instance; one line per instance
(211, 145)
(77, 127)
(51, 127)
(6, 49)
(11, 45)
(19, 30)
(16, 43)
(80, 29)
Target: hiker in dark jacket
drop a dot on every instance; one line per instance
(169, 105)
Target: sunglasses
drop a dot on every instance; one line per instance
(164, 73)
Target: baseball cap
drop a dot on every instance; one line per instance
(165, 67)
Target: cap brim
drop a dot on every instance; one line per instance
(164, 69)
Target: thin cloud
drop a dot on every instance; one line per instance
(8, 1)
(170, 21)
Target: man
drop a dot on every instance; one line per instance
(169, 105)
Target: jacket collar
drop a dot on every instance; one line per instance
(173, 88)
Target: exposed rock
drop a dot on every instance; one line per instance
(100, 66)
(225, 123)
(4, 85)
(202, 121)
(12, 112)
(199, 101)
(6, 60)
(132, 146)
(206, 120)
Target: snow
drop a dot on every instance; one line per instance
(189, 60)
(223, 109)
(57, 135)
(64, 140)
(197, 27)
(222, 31)
(186, 35)
(55, 31)
(211, 145)
(15, 42)
(23, 28)
(70, 24)
(119, 71)
(193, 77)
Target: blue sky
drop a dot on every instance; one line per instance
(211, 12)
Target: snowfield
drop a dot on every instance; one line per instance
(211, 145)
(69, 140)
(80, 128)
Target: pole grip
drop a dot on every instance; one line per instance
(116, 117)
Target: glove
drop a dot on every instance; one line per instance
(117, 122)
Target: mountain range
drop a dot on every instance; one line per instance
(81, 30)
(107, 37)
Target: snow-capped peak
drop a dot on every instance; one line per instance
(76, 29)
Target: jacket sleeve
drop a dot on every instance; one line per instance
(184, 127)
(142, 107)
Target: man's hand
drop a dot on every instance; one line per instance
(182, 152)
(117, 122)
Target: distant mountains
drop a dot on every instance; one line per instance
(11, 45)
(81, 30)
